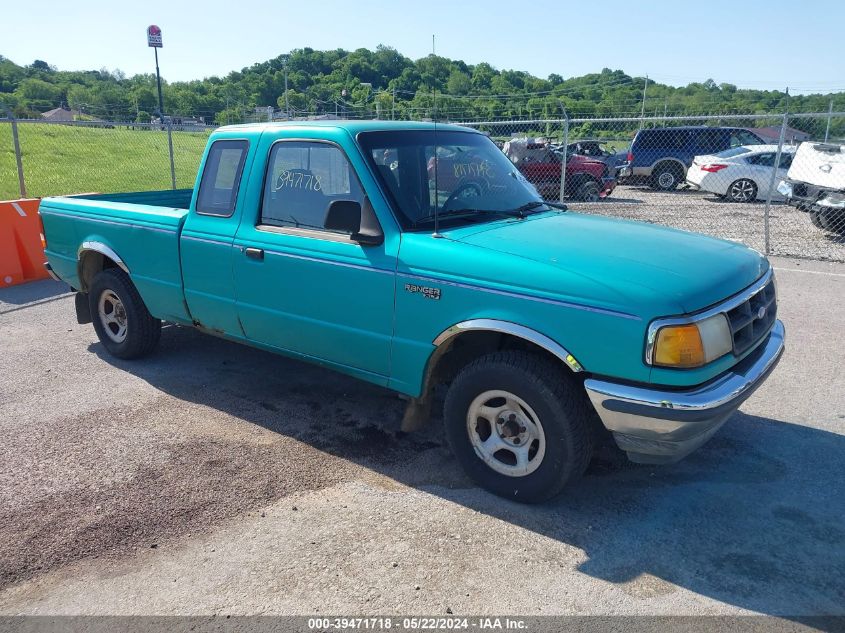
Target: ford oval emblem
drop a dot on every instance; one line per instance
(761, 312)
(826, 168)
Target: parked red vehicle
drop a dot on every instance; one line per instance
(587, 178)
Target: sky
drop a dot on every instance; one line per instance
(750, 43)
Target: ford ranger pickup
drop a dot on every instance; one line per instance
(336, 243)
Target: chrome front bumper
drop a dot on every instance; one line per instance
(662, 426)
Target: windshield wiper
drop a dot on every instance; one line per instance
(469, 213)
(519, 212)
(536, 204)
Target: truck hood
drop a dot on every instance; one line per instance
(645, 266)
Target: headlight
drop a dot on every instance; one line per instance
(832, 200)
(691, 344)
(785, 189)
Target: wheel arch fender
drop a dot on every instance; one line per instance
(92, 257)
(419, 408)
(447, 336)
(669, 159)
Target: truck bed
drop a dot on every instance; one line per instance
(143, 227)
(170, 198)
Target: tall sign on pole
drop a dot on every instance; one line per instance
(154, 41)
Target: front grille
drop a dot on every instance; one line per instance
(747, 324)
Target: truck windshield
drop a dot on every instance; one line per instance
(462, 176)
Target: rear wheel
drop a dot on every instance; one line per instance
(667, 176)
(122, 322)
(517, 425)
(742, 190)
(588, 192)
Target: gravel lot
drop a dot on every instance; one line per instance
(791, 232)
(212, 478)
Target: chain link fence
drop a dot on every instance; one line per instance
(718, 175)
(81, 157)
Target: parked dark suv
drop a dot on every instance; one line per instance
(663, 155)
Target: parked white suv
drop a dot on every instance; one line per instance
(815, 183)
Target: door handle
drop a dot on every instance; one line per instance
(255, 253)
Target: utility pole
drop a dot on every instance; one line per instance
(367, 98)
(393, 107)
(829, 115)
(287, 106)
(642, 111)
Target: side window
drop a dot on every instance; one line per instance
(763, 160)
(221, 178)
(709, 141)
(743, 137)
(646, 140)
(676, 139)
(303, 179)
(786, 160)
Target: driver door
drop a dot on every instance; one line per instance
(306, 289)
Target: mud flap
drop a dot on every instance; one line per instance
(83, 310)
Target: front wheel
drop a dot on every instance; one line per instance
(518, 426)
(835, 223)
(816, 219)
(122, 322)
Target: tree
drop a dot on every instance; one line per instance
(316, 79)
(39, 95)
(459, 83)
(296, 101)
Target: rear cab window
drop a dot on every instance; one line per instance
(221, 177)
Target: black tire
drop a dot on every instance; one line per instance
(816, 219)
(833, 222)
(667, 176)
(588, 191)
(742, 190)
(141, 332)
(555, 400)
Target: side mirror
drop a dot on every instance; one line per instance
(343, 215)
(359, 221)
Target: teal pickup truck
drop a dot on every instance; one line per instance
(412, 255)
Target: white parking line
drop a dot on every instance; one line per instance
(811, 272)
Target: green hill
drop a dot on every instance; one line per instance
(382, 82)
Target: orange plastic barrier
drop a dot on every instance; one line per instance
(21, 252)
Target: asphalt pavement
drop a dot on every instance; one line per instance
(211, 478)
